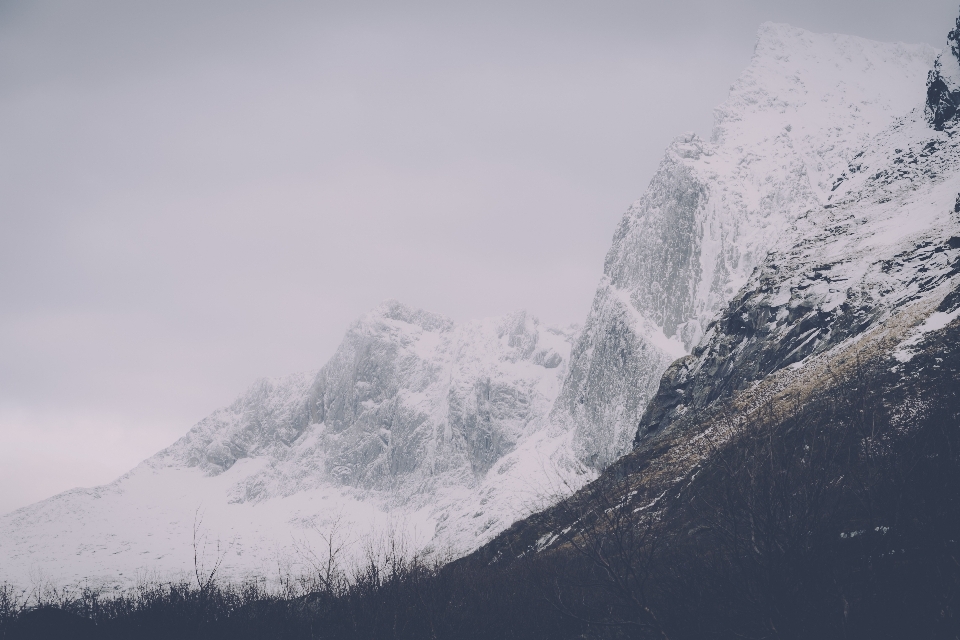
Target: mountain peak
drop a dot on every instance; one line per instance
(688, 145)
(400, 312)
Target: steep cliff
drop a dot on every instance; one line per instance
(888, 237)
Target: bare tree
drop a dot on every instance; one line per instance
(614, 544)
(204, 573)
(325, 563)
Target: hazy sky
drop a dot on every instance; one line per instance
(197, 194)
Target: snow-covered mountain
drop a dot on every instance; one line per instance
(409, 404)
(802, 109)
(417, 427)
(447, 432)
(858, 294)
(879, 257)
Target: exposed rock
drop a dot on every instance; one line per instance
(943, 84)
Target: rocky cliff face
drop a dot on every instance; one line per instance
(794, 120)
(408, 397)
(943, 84)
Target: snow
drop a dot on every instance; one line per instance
(671, 346)
(934, 322)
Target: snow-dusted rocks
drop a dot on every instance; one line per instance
(408, 398)
(615, 368)
(943, 84)
(794, 119)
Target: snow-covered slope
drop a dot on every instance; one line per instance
(797, 115)
(447, 433)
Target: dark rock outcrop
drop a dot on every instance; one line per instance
(943, 84)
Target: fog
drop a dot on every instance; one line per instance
(196, 195)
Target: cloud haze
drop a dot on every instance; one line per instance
(195, 195)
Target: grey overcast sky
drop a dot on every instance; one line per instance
(197, 194)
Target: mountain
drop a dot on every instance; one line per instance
(445, 434)
(417, 427)
(846, 331)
